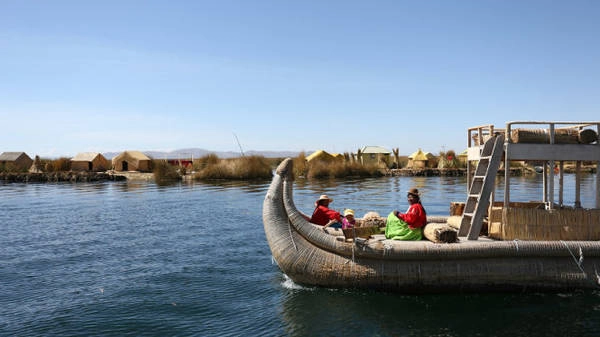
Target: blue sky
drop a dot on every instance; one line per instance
(288, 75)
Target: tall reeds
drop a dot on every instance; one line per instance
(243, 168)
(61, 164)
(164, 172)
(340, 169)
(300, 165)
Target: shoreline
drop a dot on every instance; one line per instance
(458, 172)
(65, 176)
(84, 176)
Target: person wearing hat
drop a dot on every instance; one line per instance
(407, 226)
(325, 216)
(415, 216)
(348, 221)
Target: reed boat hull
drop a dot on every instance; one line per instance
(309, 256)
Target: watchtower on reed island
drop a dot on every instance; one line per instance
(551, 143)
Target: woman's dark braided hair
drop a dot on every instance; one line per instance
(419, 201)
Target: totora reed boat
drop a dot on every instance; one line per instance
(502, 246)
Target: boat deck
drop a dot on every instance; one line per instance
(381, 237)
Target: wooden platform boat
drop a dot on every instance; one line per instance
(310, 255)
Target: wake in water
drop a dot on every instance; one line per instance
(289, 284)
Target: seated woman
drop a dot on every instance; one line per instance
(324, 216)
(409, 225)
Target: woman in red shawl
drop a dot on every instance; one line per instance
(415, 216)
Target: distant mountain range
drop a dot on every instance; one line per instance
(197, 153)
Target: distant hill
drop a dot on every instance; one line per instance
(197, 153)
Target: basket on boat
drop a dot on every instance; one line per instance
(360, 232)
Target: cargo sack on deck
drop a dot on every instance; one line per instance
(397, 229)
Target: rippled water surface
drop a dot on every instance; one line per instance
(137, 259)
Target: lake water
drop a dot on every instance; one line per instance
(137, 259)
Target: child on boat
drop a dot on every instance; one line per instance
(348, 221)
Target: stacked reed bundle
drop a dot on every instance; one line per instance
(540, 224)
(440, 233)
(561, 136)
(371, 219)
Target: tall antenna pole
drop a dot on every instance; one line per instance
(240, 145)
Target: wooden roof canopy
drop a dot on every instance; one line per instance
(548, 141)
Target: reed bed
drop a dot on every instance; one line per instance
(164, 172)
(61, 164)
(243, 168)
(341, 169)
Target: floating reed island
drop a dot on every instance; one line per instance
(68, 176)
(369, 161)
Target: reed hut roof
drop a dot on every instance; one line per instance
(134, 155)
(86, 156)
(319, 154)
(11, 156)
(374, 149)
(420, 155)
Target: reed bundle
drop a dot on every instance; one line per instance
(454, 221)
(371, 219)
(440, 233)
(561, 136)
(540, 224)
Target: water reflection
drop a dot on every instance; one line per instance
(253, 186)
(388, 193)
(91, 187)
(382, 195)
(321, 312)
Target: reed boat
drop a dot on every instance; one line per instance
(549, 247)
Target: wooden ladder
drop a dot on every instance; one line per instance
(482, 185)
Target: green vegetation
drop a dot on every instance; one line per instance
(243, 168)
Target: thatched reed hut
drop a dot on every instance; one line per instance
(131, 161)
(89, 161)
(374, 155)
(19, 160)
(420, 159)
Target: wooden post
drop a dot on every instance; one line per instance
(550, 204)
(598, 169)
(545, 183)
(578, 184)
(560, 182)
(507, 140)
